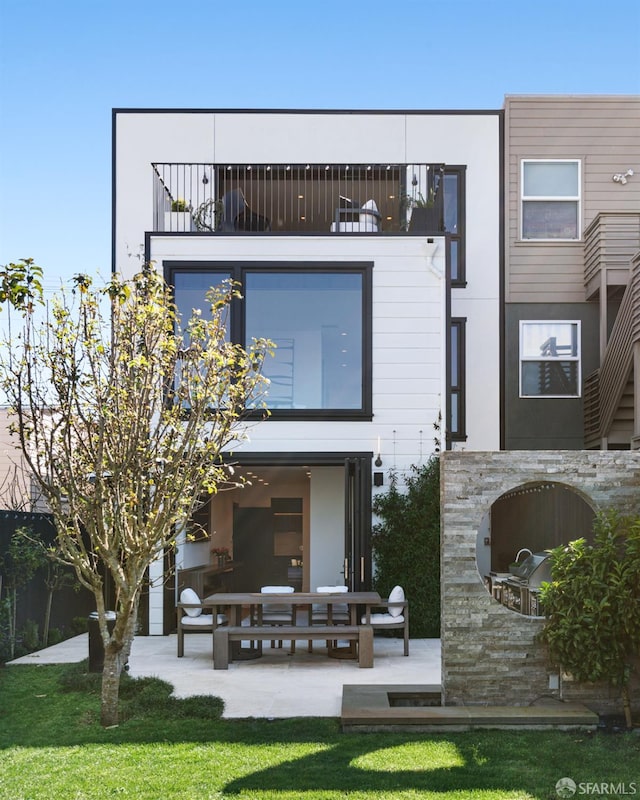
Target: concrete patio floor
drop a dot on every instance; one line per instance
(276, 685)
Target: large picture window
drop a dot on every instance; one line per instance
(550, 358)
(550, 200)
(319, 318)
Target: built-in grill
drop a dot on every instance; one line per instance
(520, 589)
(532, 571)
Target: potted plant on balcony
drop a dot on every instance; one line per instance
(179, 219)
(425, 214)
(208, 216)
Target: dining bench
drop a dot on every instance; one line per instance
(224, 635)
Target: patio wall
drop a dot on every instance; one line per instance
(490, 655)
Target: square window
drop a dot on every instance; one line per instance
(551, 200)
(319, 318)
(550, 358)
(315, 321)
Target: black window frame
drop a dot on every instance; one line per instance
(459, 236)
(237, 270)
(456, 382)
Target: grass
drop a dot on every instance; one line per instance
(53, 748)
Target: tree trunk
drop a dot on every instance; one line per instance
(47, 618)
(116, 655)
(13, 617)
(626, 703)
(110, 686)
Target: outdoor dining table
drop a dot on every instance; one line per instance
(237, 600)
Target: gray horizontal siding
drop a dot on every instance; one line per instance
(604, 132)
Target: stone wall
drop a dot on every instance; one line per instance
(490, 655)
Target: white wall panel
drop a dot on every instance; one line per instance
(298, 138)
(408, 326)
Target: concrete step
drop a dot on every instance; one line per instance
(386, 707)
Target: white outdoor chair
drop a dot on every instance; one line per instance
(320, 611)
(277, 613)
(396, 616)
(192, 620)
(353, 218)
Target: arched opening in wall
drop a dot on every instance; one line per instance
(514, 536)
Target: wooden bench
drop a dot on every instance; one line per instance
(224, 635)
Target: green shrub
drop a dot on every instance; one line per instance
(406, 545)
(77, 678)
(592, 605)
(203, 706)
(141, 696)
(79, 625)
(55, 636)
(29, 636)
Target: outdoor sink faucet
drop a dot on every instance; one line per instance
(522, 550)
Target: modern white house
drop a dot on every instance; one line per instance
(369, 247)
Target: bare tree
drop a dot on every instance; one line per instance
(123, 418)
(15, 489)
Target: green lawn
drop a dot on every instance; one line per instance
(54, 749)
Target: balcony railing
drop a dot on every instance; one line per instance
(610, 381)
(610, 242)
(299, 198)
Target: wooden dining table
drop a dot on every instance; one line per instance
(356, 601)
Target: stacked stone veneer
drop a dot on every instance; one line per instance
(489, 653)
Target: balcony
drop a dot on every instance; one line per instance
(610, 242)
(299, 199)
(611, 393)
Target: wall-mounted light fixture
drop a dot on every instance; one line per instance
(621, 177)
(378, 461)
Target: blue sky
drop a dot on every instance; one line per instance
(64, 65)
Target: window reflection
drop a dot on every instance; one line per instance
(315, 319)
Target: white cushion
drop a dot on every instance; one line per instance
(369, 222)
(277, 589)
(396, 596)
(339, 609)
(204, 620)
(190, 597)
(384, 619)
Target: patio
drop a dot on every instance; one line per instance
(276, 685)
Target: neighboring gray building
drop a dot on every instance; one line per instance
(572, 276)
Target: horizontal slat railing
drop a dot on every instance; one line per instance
(591, 401)
(610, 241)
(615, 367)
(296, 198)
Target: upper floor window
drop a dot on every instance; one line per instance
(315, 321)
(550, 358)
(550, 200)
(454, 221)
(319, 318)
(456, 423)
